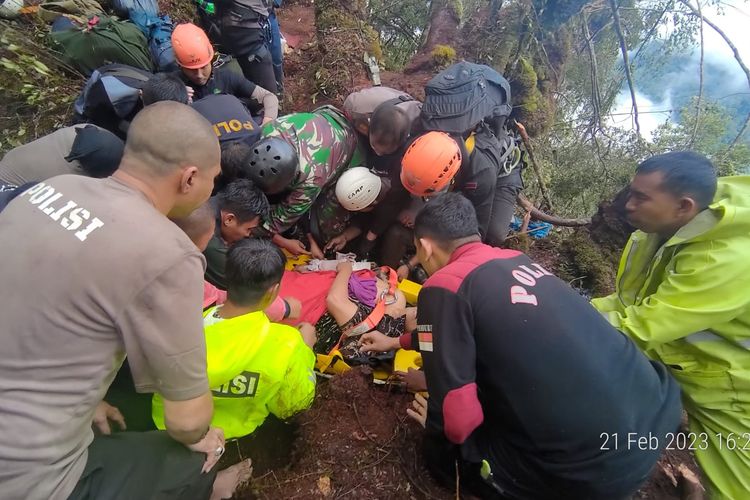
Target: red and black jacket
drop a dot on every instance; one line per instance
(519, 364)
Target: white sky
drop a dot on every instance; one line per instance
(735, 22)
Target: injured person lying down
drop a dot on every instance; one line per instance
(360, 302)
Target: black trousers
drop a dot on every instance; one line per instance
(443, 460)
(258, 68)
(514, 477)
(503, 207)
(148, 465)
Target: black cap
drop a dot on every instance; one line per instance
(98, 151)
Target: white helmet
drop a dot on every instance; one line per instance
(9, 9)
(357, 188)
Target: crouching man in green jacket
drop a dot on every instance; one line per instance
(683, 296)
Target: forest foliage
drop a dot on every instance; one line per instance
(563, 58)
(564, 61)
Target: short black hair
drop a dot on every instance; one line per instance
(235, 160)
(446, 218)
(253, 266)
(685, 173)
(390, 124)
(244, 199)
(164, 87)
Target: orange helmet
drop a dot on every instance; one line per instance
(430, 163)
(192, 49)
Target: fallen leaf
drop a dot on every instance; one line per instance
(324, 485)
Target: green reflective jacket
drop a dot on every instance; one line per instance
(687, 304)
(255, 367)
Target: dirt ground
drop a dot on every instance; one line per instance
(357, 442)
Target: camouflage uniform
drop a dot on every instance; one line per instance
(331, 219)
(326, 146)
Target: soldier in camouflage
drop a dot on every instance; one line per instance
(325, 145)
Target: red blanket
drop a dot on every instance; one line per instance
(310, 289)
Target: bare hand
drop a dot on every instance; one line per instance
(344, 266)
(402, 272)
(378, 342)
(336, 244)
(212, 445)
(315, 250)
(415, 380)
(309, 335)
(295, 247)
(190, 93)
(266, 119)
(418, 410)
(295, 307)
(103, 414)
(406, 218)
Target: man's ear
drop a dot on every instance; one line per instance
(427, 246)
(687, 206)
(271, 295)
(187, 179)
(227, 218)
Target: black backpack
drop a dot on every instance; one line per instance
(460, 97)
(111, 97)
(464, 96)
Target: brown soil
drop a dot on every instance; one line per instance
(297, 22)
(357, 442)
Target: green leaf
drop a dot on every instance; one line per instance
(9, 64)
(40, 67)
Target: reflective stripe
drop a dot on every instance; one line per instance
(709, 336)
(703, 336)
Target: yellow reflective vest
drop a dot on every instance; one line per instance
(255, 367)
(687, 303)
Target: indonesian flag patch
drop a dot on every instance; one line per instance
(424, 336)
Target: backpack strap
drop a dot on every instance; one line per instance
(395, 101)
(127, 72)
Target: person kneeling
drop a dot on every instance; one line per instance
(255, 367)
(532, 394)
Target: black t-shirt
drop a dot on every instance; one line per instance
(229, 117)
(222, 81)
(523, 371)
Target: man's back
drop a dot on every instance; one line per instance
(73, 301)
(254, 367)
(229, 117)
(361, 104)
(40, 159)
(555, 381)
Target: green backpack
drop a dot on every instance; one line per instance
(104, 41)
(78, 10)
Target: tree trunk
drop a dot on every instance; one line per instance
(443, 30)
